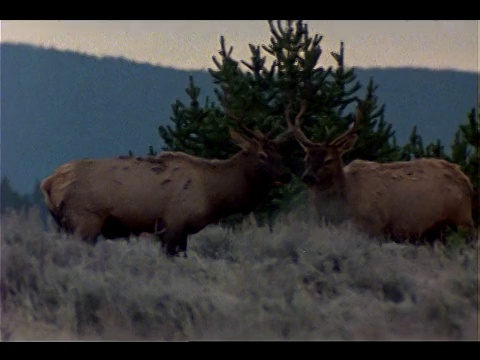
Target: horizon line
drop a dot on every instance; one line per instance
(159, 65)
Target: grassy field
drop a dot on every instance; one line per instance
(299, 282)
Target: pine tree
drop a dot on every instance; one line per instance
(36, 200)
(466, 153)
(198, 130)
(11, 199)
(414, 148)
(436, 150)
(151, 151)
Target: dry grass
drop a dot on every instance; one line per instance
(299, 282)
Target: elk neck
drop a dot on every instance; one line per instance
(332, 187)
(235, 186)
(330, 198)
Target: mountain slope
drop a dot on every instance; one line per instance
(58, 105)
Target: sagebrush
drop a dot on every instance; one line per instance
(299, 282)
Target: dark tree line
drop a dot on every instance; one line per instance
(11, 199)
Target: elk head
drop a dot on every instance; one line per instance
(262, 153)
(324, 165)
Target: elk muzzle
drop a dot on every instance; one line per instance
(282, 179)
(308, 179)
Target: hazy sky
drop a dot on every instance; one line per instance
(190, 44)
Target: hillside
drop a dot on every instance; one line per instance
(61, 105)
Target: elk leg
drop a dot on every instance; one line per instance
(88, 236)
(472, 234)
(159, 231)
(88, 228)
(183, 246)
(174, 241)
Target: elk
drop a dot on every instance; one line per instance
(404, 200)
(173, 194)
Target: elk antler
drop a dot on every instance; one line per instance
(239, 120)
(295, 127)
(275, 125)
(353, 126)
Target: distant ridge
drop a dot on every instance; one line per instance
(58, 105)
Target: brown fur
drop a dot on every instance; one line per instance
(176, 193)
(409, 199)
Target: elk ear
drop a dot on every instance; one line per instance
(346, 143)
(240, 139)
